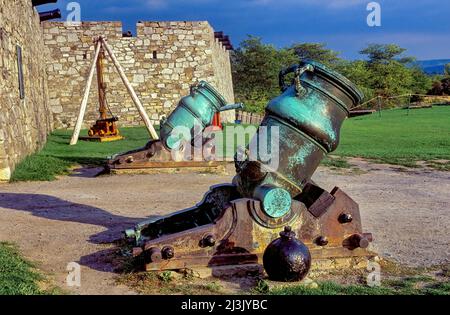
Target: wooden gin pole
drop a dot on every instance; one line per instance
(76, 132)
(101, 84)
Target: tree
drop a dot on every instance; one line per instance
(359, 73)
(315, 51)
(384, 53)
(386, 72)
(446, 86)
(436, 88)
(447, 69)
(391, 79)
(441, 87)
(391, 73)
(421, 82)
(255, 68)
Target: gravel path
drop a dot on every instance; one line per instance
(76, 218)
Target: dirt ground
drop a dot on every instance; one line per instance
(75, 218)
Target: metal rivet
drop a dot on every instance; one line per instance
(208, 241)
(322, 241)
(345, 218)
(168, 252)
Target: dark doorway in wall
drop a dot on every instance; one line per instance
(20, 72)
(155, 54)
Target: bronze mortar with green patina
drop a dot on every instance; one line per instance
(235, 223)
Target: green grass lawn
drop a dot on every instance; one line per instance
(397, 137)
(57, 156)
(17, 275)
(417, 285)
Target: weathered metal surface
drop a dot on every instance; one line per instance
(156, 155)
(308, 115)
(195, 110)
(101, 84)
(104, 128)
(196, 114)
(275, 200)
(235, 223)
(287, 258)
(316, 199)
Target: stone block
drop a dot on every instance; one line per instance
(138, 78)
(57, 109)
(72, 37)
(61, 39)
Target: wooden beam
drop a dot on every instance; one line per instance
(169, 164)
(130, 89)
(76, 131)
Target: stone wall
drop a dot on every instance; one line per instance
(222, 73)
(161, 62)
(24, 122)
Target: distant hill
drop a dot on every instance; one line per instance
(433, 66)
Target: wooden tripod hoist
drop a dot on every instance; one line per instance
(105, 129)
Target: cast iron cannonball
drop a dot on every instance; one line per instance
(287, 258)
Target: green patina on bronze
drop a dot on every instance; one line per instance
(276, 201)
(194, 110)
(310, 111)
(234, 223)
(309, 115)
(299, 158)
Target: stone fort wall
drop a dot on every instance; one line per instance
(161, 62)
(25, 120)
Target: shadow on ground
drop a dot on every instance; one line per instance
(53, 208)
(106, 259)
(88, 172)
(57, 209)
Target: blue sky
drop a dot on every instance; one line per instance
(421, 26)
